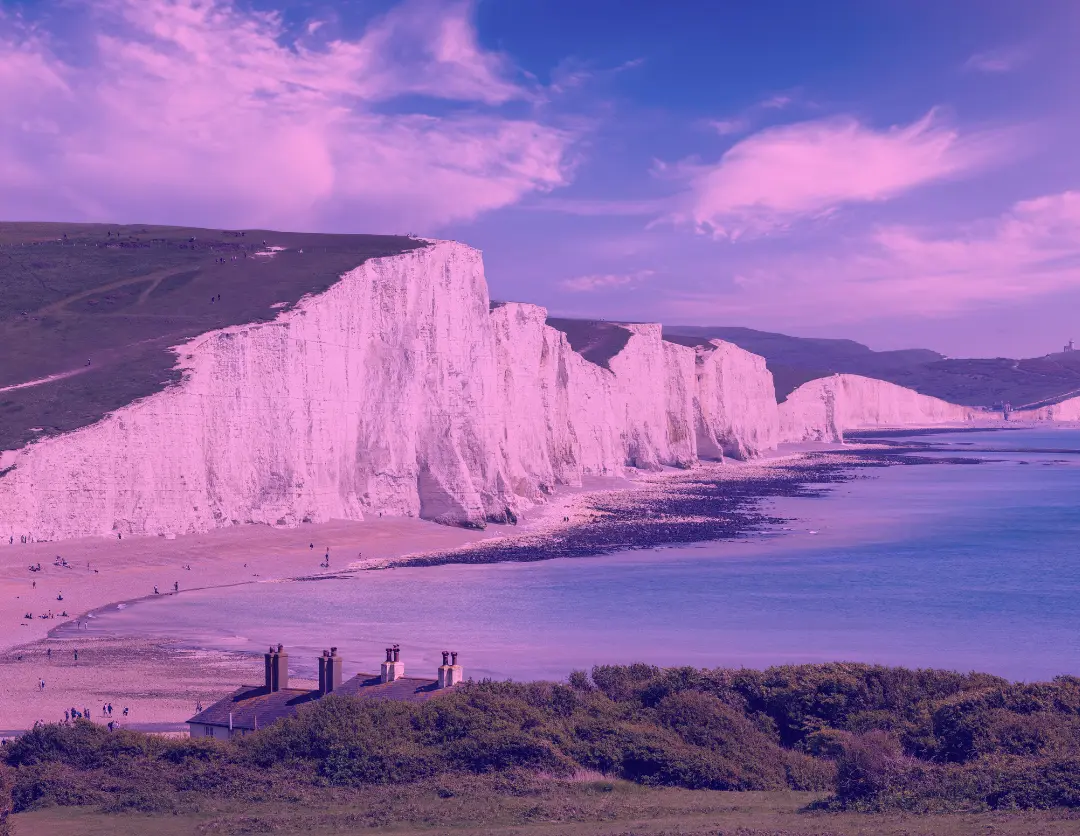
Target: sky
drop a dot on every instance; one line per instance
(901, 172)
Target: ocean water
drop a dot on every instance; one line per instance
(967, 567)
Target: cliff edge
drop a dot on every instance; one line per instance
(398, 390)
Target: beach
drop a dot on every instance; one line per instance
(161, 684)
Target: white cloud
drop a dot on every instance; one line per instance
(999, 60)
(197, 111)
(805, 170)
(604, 281)
(1031, 250)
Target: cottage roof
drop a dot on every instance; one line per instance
(405, 689)
(255, 707)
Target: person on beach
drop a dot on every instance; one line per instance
(76, 655)
(176, 586)
(48, 653)
(156, 591)
(125, 711)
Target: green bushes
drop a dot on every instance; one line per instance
(877, 737)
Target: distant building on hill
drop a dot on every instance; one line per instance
(1069, 346)
(251, 707)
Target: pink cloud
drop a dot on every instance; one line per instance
(1031, 250)
(782, 175)
(197, 111)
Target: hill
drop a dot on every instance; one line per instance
(1037, 381)
(91, 309)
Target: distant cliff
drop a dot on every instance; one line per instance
(1068, 410)
(823, 409)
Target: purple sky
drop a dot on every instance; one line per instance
(901, 173)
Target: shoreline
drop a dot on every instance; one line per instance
(710, 503)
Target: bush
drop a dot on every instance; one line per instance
(881, 737)
(7, 784)
(870, 766)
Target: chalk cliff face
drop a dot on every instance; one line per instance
(397, 391)
(1068, 410)
(735, 404)
(400, 391)
(821, 410)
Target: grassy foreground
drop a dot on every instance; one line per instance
(545, 808)
(851, 743)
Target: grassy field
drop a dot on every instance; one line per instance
(120, 296)
(544, 808)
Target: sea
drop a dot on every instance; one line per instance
(943, 565)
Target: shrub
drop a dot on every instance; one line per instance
(881, 737)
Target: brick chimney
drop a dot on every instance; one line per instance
(393, 668)
(322, 671)
(450, 672)
(329, 671)
(269, 663)
(279, 670)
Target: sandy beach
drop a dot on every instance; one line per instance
(161, 684)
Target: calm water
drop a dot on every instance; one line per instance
(964, 567)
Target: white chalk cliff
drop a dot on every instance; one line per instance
(400, 391)
(822, 409)
(1067, 410)
(397, 391)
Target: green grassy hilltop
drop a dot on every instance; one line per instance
(120, 296)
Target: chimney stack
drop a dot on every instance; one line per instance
(333, 671)
(329, 671)
(279, 669)
(393, 668)
(268, 660)
(450, 674)
(322, 671)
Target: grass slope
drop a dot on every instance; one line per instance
(595, 340)
(120, 296)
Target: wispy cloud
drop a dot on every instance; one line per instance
(746, 120)
(1031, 250)
(586, 207)
(203, 111)
(605, 281)
(1004, 60)
(728, 127)
(781, 175)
